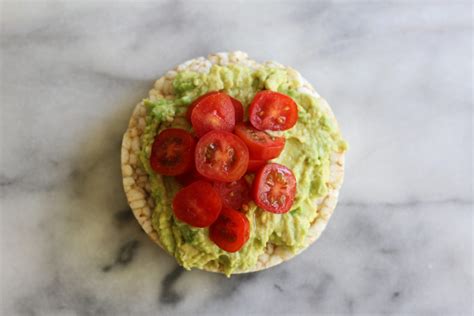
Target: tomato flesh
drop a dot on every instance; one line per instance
(221, 156)
(230, 231)
(214, 111)
(273, 111)
(254, 165)
(261, 145)
(274, 188)
(233, 194)
(198, 204)
(172, 152)
(239, 110)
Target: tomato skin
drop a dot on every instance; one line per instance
(238, 109)
(193, 104)
(261, 145)
(221, 156)
(274, 188)
(172, 152)
(198, 204)
(189, 177)
(230, 231)
(273, 111)
(255, 165)
(213, 112)
(233, 194)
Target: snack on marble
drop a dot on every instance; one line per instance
(314, 152)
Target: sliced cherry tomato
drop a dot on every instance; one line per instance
(172, 152)
(213, 112)
(191, 107)
(239, 110)
(189, 177)
(221, 156)
(230, 231)
(198, 204)
(254, 165)
(273, 111)
(274, 188)
(262, 146)
(233, 194)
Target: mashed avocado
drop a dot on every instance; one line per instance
(307, 152)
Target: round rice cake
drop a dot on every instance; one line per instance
(137, 186)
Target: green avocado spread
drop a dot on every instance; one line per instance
(309, 145)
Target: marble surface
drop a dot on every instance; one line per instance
(399, 78)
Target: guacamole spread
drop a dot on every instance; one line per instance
(309, 145)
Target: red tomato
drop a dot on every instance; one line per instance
(172, 152)
(254, 165)
(239, 110)
(233, 194)
(273, 111)
(221, 156)
(213, 112)
(262, 146)
(189, 177)
(230, 231)
(198, 204)
(274, 188)
(191, 107)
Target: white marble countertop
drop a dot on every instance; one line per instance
(398, 76)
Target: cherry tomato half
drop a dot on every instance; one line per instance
(221, 156)
(172, 152)
(198, 204)
(262, 146)
(239, 110)
(273, 111)
(213, 112)
(189, 177)
(274, 188)
(233, 194)
(191, 107)
(254, 165)
(230, 231)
